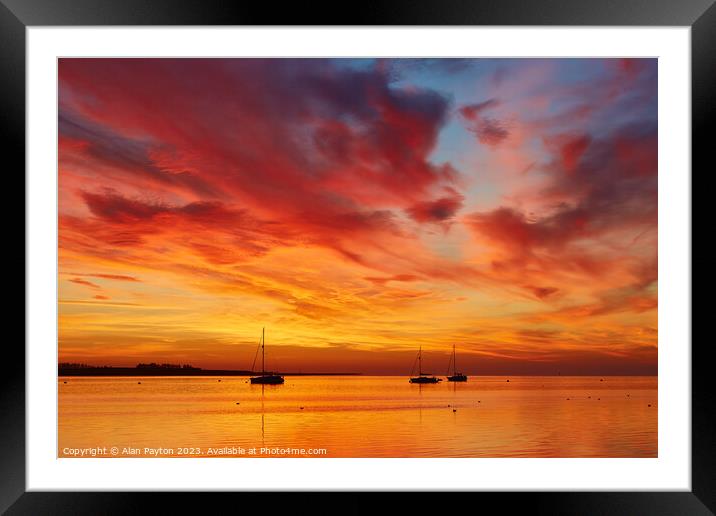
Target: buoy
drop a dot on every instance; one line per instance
(139, 382)
(589, 397)
(64, 382)
(301, 408)
(601, 379)
(567, 399)
(238, 403)
(454, 410)
(219, 380)
(448, 405)
(478, 401)
(508, 380)
(649, 405)
(599, 399)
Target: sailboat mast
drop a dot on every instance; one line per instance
(420, 361)
(263, 351)
(454, 365)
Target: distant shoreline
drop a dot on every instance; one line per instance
(135, 371)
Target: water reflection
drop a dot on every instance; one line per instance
(369, 416)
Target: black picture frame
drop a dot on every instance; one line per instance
(17, 15)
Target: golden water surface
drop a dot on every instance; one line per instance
(358, 416)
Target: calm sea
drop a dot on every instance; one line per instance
(358, 416)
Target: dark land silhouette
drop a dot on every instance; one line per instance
(153, 369)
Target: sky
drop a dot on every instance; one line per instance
(360, 209)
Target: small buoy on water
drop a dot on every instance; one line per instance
(139, 383)
(601, 379)
(599, 399)
(219, 380)
(567, 399)
(64, 382)
(448, 406)
(508, 380)
(589, 397)
(649, 405)
(301, 408)
(238, 403)
(454, 410)
(478, 401)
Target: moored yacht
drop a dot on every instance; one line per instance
(265, 378)
(455, 377)
(422, 377)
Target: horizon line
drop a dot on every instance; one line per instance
(246, 372)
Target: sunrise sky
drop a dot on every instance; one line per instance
(358, 209)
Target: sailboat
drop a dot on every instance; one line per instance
(265, 378)
(423, 377)
(456, 377)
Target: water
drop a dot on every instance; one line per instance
(360, 416)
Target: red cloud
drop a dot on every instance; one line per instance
(603, 189)
(489, 131)
(542, 292)
(472, 111)
(118, 277)
(244, 142)
(569, 148)
(86, 283)
(397, 277)
(304, 151)
(439, 210)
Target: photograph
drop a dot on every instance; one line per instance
(357, 257)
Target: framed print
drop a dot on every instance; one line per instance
(419, 250)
